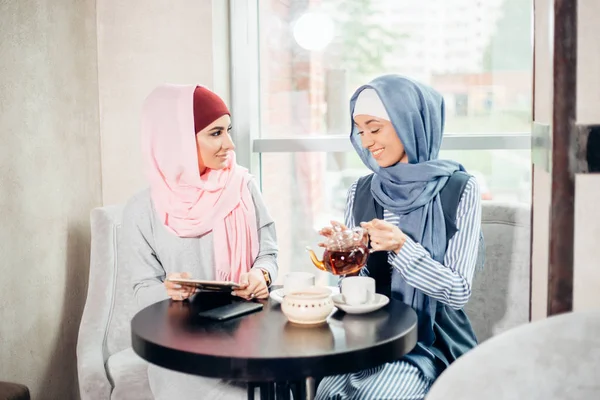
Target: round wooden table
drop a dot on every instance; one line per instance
(264, 348)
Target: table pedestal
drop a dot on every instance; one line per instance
(299, 390)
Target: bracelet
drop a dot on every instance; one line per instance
(267, 276)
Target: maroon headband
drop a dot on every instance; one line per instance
(208, 107)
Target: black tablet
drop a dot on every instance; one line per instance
(232, 310)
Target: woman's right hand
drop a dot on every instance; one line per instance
(176, 291)
(329, 230)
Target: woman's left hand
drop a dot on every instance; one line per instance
(253, 285)
(384, 236)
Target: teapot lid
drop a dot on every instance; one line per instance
(343, 239)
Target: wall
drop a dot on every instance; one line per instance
(141, 44)
(587, 219)
(587, 196)
(72, 80)
(541, 177)
(49, 181)
(586, 269)
(588, 62)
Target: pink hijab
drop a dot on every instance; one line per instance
(190, 205)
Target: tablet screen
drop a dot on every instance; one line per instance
(206, 285)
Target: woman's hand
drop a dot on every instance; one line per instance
(253, 285)
(176, 291)
(384, 236)
(328, 231)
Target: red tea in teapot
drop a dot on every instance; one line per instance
(346, 262)
(345, 252)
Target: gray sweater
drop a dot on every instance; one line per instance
(151, 251)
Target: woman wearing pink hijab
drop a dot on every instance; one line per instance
(202, 217)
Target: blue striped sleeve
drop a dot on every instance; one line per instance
(348, 216)
(450, 282)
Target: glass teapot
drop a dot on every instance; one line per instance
(346, 251)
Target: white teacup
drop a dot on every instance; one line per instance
(295, 281)
(358, 290)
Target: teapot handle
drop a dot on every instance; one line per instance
(364, 235)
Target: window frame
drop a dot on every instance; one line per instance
(245, 89)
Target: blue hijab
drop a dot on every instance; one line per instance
(411, 190)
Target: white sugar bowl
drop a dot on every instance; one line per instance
(308, 306)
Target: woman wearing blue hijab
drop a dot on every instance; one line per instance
(426, 259)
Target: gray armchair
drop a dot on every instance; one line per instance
(500, 293)
(499, 307)
(13, 391)
(556, 358)
(106, 364)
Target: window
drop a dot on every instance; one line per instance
(303, 59)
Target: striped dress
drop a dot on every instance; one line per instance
(449, 283)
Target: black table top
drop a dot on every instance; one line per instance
(264, 346)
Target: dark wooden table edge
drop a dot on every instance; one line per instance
(248, 370)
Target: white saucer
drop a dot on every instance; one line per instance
(277, 295)
(379, 302)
